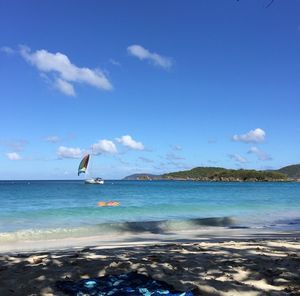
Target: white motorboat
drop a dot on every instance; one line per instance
(94, 181)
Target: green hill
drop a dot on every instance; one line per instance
(216, 174)
(221, 174)
(292, 171)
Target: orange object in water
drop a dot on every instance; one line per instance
(108, 204)
(101, 204)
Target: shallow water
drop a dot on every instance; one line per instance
(57, 209)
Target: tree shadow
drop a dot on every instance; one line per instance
(247, 267)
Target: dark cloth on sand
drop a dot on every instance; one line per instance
(130, 284)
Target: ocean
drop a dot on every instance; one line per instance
(39, 210)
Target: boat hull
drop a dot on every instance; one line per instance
(93, 181)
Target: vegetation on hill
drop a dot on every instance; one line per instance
(221, 174)
(142, 177)
(292, 171)
(216, 174)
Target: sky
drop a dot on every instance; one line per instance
(147, 86)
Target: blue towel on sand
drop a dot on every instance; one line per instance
(130, 284)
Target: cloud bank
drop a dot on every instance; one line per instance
(142, 53)
(253, 136)
(65, 73)
(101, 147)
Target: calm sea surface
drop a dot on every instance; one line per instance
(57, 209)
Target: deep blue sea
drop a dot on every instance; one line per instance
(32, 210)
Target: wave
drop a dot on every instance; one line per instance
(155, 227)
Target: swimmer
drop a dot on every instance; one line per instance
(108, 204)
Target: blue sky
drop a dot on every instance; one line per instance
(152, 86)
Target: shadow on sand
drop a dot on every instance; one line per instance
(256, 267)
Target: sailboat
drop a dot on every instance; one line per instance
(82, 169)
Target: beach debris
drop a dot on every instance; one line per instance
(35, 260)
(119, 265)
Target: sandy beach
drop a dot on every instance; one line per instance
(265, 265)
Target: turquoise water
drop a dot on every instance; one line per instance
(54, 209)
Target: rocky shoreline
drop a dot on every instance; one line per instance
(214, 179)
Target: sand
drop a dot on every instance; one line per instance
(223, 267)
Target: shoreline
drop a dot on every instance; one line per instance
(213, 234)
(192, 229)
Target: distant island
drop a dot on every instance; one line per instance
(218, 174)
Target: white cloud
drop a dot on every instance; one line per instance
(238, 158)
(52, 139)
(69, 152)
(59, 64)
(144, 54)
(253, 136)
(7, 50)
(104, 146)
(129, 142)
(261, 155)
(13, 156)
(65, 87)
